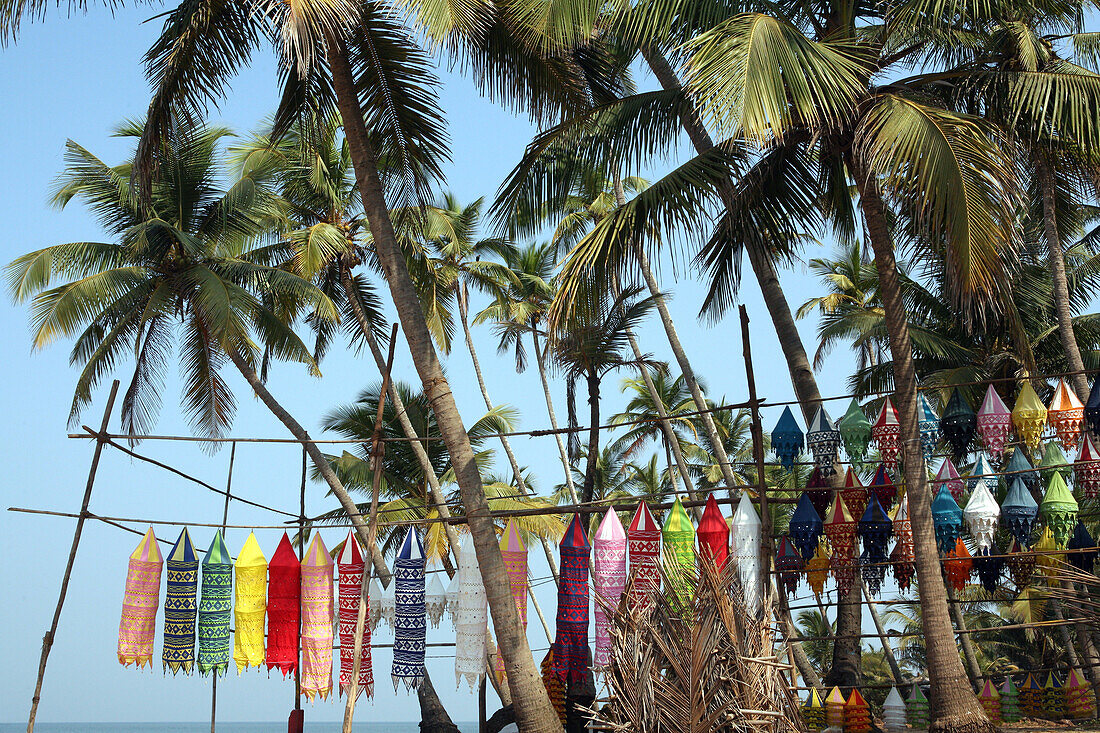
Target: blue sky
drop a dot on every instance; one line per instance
(76, 78)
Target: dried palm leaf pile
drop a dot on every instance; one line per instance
(690, 665)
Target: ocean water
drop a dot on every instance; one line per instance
(273, 727)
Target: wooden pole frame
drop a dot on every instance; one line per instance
(48, 639)
(758, 457)
(225, 519)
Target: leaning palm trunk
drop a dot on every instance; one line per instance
(954, 706)
(1056, 261)
(846, 652)
(973, 669)
(895, 668)
(530, 701)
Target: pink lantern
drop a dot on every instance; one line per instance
(994, 423)
(1086, 470)
(887, 432)
(948, 476)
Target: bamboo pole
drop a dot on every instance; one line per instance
(758, 455)
(48, 639)
(225, 519)
(297, 715)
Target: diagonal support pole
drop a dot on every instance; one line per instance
(48, 639)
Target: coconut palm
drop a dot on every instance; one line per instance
(645, 420)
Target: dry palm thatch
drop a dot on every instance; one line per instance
(709, 667)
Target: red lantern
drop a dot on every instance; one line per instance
(958, 563)
(855, 494)
(840, 528)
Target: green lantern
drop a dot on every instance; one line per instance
(855, 432)
(1059, 510)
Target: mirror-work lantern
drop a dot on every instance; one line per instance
(1018, 511)
(948, 519)
(855, 432)
(1086, 471)
(887, 432)
(787, 439)
(788, 562)
(902, 557)
(1066, 415)
(929, 425)
(823, 441)
(994, 423)
(958, 424)
(1029, 416)
(1059, 510)
(981, 514)
(1092, 409)
(805, 527)
(875, 529)
(883, 487)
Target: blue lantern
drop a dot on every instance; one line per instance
(989, 568)
(948, 520)
(875, 529)
(820, 492)
(883, 487)
(1085, 545)
(983, 471)
(929, 424)
(1092, 408)
(872, 571)
(805, 526)
(1018, 511)
(787, 439)
(1020, 467)
(788, 562)
(823, 440)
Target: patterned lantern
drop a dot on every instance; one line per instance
(1092, 409)
(813, 710)
(571, 641)
(887, 432)
(746, 550)
(872, 573)
(140, 603)
(883, 487)
(1029, 416)
(349, 569)
(893, 712)
(820, 492)
(958, 565)
(514, 553)
(1082, 541)
(609, 579)
(1054, 461)
(215, 608)
(1059, 510)
(1019, 466)
(929, 425)
(958, 424)
(1066, 415)
(994, 423)
(981, 471)
(679, 550)
(787, 439)
(1080, 699)
(435, 599)
(714, 535)
(387, 600)
(903, 557)
(947, 518)
(284, 588)
(1020, 564)
(375, 609)
(1010, 701)
(1054, 697)
(1086, 470)
(834, 708)
(817, 569)
(1045, 550)
(788, 561)
(857, 714)
(989, 565)
(180, 605)
(981, 515)
(948, 477)
(875, 528)
(470, 617)
(1018, 511)
(805, 526)
(916, 708)
(643, 541)
(854, 494)
(410, 621)
(251, 605)
(840, 528)
(855, 432)
(991, 701)
(317, 617)
(823, 441)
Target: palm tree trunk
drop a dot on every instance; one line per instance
(953, 705)
(790, 342)
(1056, 260)
(532, 705)
(895, 669)
(433, 716)
(588, 490)
(541, 362)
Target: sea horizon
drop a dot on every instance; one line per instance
(228, 726)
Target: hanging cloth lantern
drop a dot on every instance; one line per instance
(514, 553)
(903, 557)
(471, 618)
(929, 426)
(874, 530)
(813, 710)
(857, 714)
(140, 603)
(981, 515)
(1010, 701)
(746, 550)
(1080, 699)
(435, 598)
(180, 605)
(947, 518)
(823, 441)
(994, 423)
(1031, 696)
(887, 433)
(679, 548)
(410, 622)
(453, 595)
(788, 561)
(854, 494)
(1083, 542)
(916, 708)
(981, 471)
(1066, 415)
(893, 711)
(714, 535)
(316, 678)
(1045, 549)
(250, 610)
(388, 602)
(571, 642)
(872, 573)
(805, 526)
(958, 565)
(947, 477)
(882, 486)
(840, 528)
(787, 439)
(817, 569)
(820, 492)
(1054, 461)
(1059, 510)
(834, 708)
(609, 565)
(958, 424)
(643, 541)
(1086, 470)
(350, 567)
(1029, 416)
(1092, 409)
(374, 609)
(1019, 466)
(989, 565)
(990, 700)
(283, 596)
(855, 432)
(1020, 564)
(1018, 511)
(1054, 697)
(215, 608)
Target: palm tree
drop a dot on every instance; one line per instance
(645, 419)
